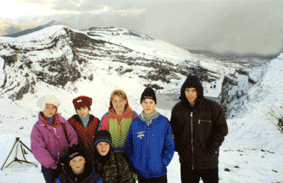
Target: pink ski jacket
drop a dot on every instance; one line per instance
(49, 144)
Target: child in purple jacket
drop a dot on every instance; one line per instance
(51, 137)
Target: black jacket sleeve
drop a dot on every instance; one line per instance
(176, 127)
(219, 128)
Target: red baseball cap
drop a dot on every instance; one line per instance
(82, 101)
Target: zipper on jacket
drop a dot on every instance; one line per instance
(192, 139)
(121, 133)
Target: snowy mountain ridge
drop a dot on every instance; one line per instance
(58, 55)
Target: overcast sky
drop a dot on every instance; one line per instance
(241, 26)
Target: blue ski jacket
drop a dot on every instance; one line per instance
(150, 148)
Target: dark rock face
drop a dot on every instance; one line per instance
(280, 124)
(10, 59)
(225, 98)
(58, 72)
(234, 92)
(236, 87)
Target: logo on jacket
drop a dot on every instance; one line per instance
(140, 134)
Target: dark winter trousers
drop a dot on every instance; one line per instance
(50, 175)
(162, 179)
(193, 176)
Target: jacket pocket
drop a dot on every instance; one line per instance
(200, 121)
(156, 166)
(204, 131)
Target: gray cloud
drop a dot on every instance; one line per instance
(78, 6)
(39, 2)
(243, 27)
(84, 5)
(254, 27)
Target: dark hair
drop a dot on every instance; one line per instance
(81, 107)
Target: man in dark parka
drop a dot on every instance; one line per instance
(199, 127)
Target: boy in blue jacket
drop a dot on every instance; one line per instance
(150, 144)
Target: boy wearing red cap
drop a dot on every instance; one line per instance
(84, 123)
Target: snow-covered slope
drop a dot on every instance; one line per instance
(68, 63)
(253, 149)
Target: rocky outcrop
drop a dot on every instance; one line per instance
(236, 87)
(280, 124)
(24, 66)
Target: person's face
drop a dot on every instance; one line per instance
(83, 111)
(148, 106)
(77, 164)
(50, 110)
(118, 104)
(191, 94)
(103, 148)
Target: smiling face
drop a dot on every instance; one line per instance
(191, 94)
(50, 110)
(83, 111)
(103, 148)
(118, 104)
(77, 164)
(148, 106)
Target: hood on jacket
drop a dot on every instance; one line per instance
(192, 81)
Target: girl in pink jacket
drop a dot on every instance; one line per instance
(51, 137)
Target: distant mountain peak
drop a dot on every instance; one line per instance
(28, 31)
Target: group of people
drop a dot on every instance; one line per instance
(125, 146)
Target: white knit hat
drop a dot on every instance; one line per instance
(48, 99)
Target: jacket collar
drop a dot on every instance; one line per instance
(197, 105)
(126, 114)
(77, 118)
(42, 123)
